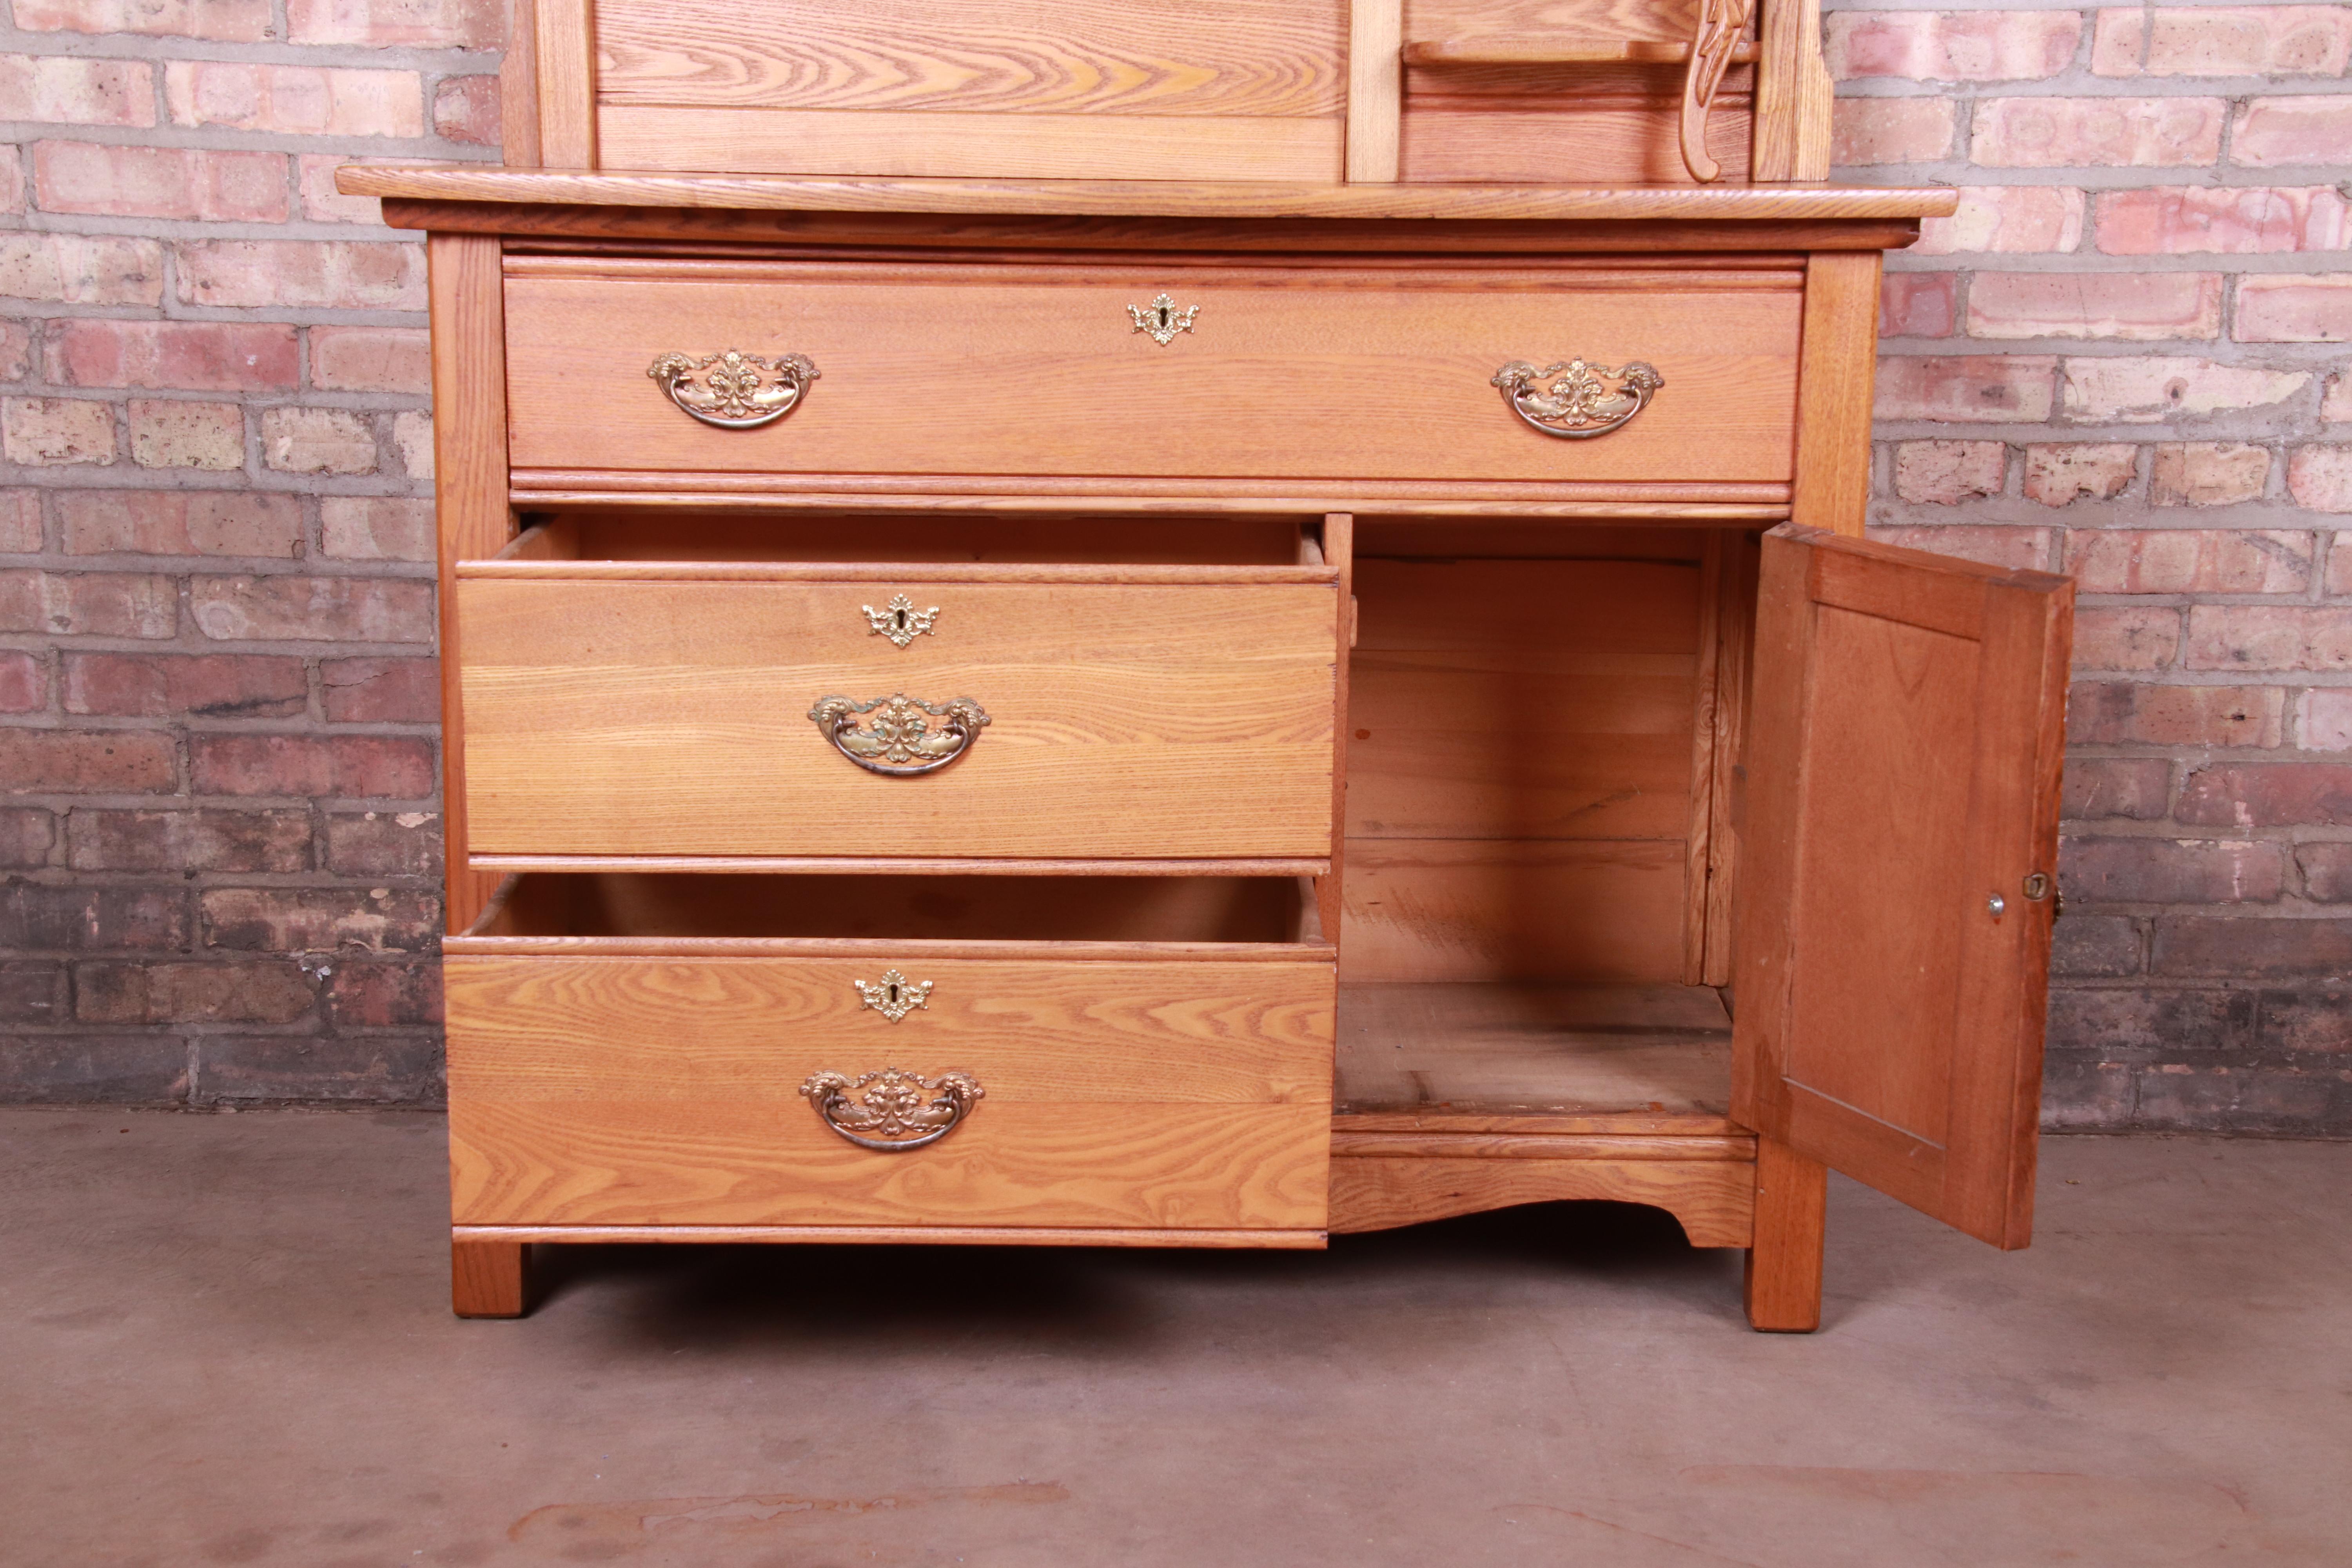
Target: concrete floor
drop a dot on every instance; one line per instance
(225, 1340)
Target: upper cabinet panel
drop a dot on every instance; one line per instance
(1172, 90)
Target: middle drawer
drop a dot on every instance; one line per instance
(749, 709)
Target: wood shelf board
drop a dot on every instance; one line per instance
(1144, 198)
(1539, 50)
(1510, 1055)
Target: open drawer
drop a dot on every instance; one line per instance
(757, 707)
(1148, 1056)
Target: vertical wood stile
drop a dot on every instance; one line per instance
(566, 40)
(519, 87)
(1705, 732)
(1792, 138)
(1837, 364)
(1783, 1279)
(1735, 645)
(1338, 550)
(469, 487)
(1375, 89)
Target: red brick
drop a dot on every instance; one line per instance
(2119, 712)
(24, 682)
(2171, 872)
(219, 21)
(12, 185)
(1945, 473)
(2006, 218)
(2245, 949)
(33, 993)
(2289, 132)
(1917, 305)
(2025, 547)
(412, 437)
(2335, 399)
(174, 434)
(384, 843)
(1890, 131)
(2339, 565)
(315, 919)
(2189, 561)
(384, 995)
(2327, 879)
(69, 89)
(2267, 794)
(1951, 45)
(466, 108)
(321, 203)
(2307, 1021)
(2206, 473)
(2293, 310)
(191, 356)
(381, 691)
(1975, 390)
(371, 358)
(82, 269)
(2232, 220)
(2111, 1020)
(106, 762)
(317, 441)
(347, 274)
(317, 609)
(375, 528)
(20, 521)
(39, 917)
(51, 431)
(2268, 636)
(2137, 789)
(88, 603)
(361, 766)
(2126, 638)
(201, 686)
(2223, 41)
(161, 182)
(179, 522)
(302, 101)
(15, 349)
(423, 24)
(2095, 132)
(2061, 475)
(270, 992)
(266, 1070)
(95, 1069)
(2134, 391)
(25, 834)
(2321, 479)
(2324, 720)
(101, 841)
(2103, 946)
(2147, 307)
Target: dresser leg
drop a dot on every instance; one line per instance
(489, 1279)
(1783, 1286)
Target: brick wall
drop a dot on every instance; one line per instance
(219, 835)
(2123, 359)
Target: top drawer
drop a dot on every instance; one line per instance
(1300, 373)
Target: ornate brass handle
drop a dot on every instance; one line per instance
(733, 390)
(889, 1111)
(1580, 402)
(899, 741)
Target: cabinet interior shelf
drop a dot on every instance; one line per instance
(1536, 50)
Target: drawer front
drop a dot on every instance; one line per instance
(1166, 1095)
(648, 717)
(1316, 374)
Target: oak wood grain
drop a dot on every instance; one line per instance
(1907, 723)
(489, 1278)
(539, 487)
(1443, 910)
(1545, 143)
(1223, 57)
(1454, 1144)
(1246, 393)
(1792, 94)
(564, 41)
(1841, 360)
(1494, 201)
(1781, 1281)
(633, 718)
(519, 87)
(897, 1235)
(469, 486)
(1375, 88)
(1713, 1199)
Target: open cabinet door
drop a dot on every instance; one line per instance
(1898, 869)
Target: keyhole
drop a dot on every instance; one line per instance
(900, 619)
(1165, 315)
(896, 996)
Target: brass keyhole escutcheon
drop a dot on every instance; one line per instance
(1162, 319)
(899, 620)
(894, 995)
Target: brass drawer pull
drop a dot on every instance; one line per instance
(901, 742)
(736, 391)
(1581, 403)
(889, 1111)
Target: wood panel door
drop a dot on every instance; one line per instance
(1899, 869)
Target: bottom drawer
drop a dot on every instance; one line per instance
(1176, 1080)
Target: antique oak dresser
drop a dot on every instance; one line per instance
(1206, 623)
